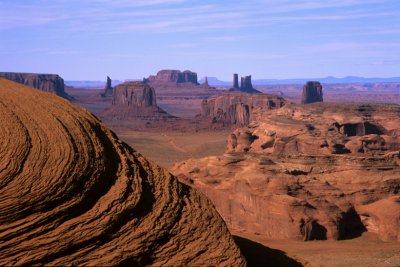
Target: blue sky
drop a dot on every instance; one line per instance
(89, 39)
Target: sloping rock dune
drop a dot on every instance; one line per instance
(71, 193)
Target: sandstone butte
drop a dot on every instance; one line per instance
(308, 172)
(51, 83)
(73, 194)
(237, 108)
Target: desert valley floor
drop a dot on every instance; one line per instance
(167, 147)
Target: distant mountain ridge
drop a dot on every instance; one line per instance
(214, 81)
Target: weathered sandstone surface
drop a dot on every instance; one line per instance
(312, 92)
(51, 83)
(237, 108)
(73, 194)
(310, 172)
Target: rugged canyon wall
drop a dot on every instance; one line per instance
(236, 108)
(74, 194)
(308, 172)
(312, 92)
(51, 83)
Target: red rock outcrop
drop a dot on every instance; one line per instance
(132, 100)
(236, 109)
(312, 92)
(320, 171)
(73, 194)
(51, 83)
(173, 76)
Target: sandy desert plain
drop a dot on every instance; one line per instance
(294, 183)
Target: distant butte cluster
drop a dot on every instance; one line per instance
(245, 85)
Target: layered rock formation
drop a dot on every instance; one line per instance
(73, 194)
(51, 83)
(326, 171)
(312, 92)
(173, 76)
(108, 89)
(134, 100)
(236, 109)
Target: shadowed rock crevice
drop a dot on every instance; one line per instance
(257, 254)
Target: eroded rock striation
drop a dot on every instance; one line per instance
(309, 172)
(236, 108)
(73, 194)
(173, 76)
(51, 83)
(312, 92)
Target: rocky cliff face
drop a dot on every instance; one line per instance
(108, 89)
(236, 108)
(325, 171)
(51, 83)
(73, 194)
(312, 92)
(174, 76)
(134, 94)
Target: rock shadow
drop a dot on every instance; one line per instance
(257, 254)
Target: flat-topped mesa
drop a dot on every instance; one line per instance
(173, 76)
(236, 108)
(108, 89)
(134, 99)
(245, 85)
(312, 92)
(51, 83)
(134, 94)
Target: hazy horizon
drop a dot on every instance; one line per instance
(278, 39)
